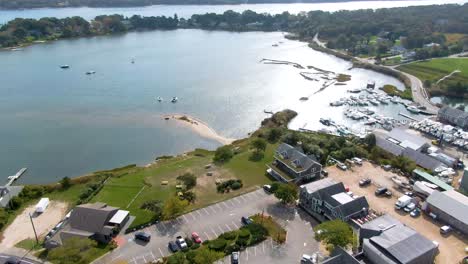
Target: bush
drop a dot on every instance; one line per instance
(206, 242)
(218, 244)
(244, 232)
(236, 186)
(65, 183)
(188, 179)
(229, 235)
(274, 135)
(231, 248)
(195, 246)
(242, 242)
(223, 154)
(15, 203)
(191, 255)
(226, 186)
(258, 232)
(189, 242)
(257, 156)
(32, 192)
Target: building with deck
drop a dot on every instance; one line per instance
(292, 165)
(328, 200)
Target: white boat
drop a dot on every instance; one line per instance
(90, 72)
(159, 98)
(413, 109)
(174, 99)
(374, 102)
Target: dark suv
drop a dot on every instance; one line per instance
(381, 191)
(143, 236)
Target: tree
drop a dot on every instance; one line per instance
(223, 154)
(173, 206)
(65, 182)
(206, 255)
(259, 144)
(404, 164)
(177, 258)
(287, 193)
(370, 141)
(74, 250)
(188, 179)
(3, 217)
(154, 206)
(274, 134)
(334, 233)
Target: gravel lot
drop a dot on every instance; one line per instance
(451, 247)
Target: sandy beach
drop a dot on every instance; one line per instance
(197, 126)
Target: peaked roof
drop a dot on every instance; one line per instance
(354, 206)
(91, 217)
(451, 202)
(294, 157)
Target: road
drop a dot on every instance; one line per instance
(211, 221)
(4, 258)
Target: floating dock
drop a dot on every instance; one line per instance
(13, 178)
(407, 116)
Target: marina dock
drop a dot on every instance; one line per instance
(407, 116)
(13, 178)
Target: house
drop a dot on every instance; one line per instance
(291, 164)
(328, 200)
(385, 240)
(340, 256)
(453, 116)
(397, 50)
(96, 221)
(7, 193)
(449, 207)
(431, 45)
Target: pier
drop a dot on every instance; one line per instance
(407, 116)
(13, 178)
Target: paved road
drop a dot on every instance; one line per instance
(4, 258)
(208, 222)
(211, 221)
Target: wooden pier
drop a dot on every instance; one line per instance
(13, 178)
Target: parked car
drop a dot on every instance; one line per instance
(13, 260)
(324, 173)
(181, 242)
(196, 238)
(415, 213)
(364, 182)
(410, 194)
(357, 161)
(446, 229)
(246, 220)
(410, 207)
(142, 236)
(267, 188)
(342, 166)
(381, 191)
(235, 257)
(173, 247)
(306, 258)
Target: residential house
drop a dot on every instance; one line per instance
(291, 164)
(397, 50)
(449, 207)
(328, 200)
(453, 116)
(96, 221)
(385, 240)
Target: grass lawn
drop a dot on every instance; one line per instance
(275, 231)
(435, 69)
(28, 244)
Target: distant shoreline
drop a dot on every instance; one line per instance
(198, 126)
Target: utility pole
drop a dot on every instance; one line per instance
(34, 229)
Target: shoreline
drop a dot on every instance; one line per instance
(197, 126)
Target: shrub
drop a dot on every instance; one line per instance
(257, 156)
(218, 244)
(188, 179)
(189, 241)
(242, 242)
(195, 246)
(274, 135)
(229, 235)
(236, 186)
(226, 186)
(231, 248)
(259, 232)
(244, 233)
(223, 154)
(15, 203)
(65, 183)
(206, 242)
(191, 255)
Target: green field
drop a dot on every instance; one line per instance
(435, 69)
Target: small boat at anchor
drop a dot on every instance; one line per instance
(90, 72)
(65, 66)
(159, 99)
(174, 99)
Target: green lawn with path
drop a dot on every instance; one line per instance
(433, 70)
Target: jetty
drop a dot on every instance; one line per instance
(13, 178)
(407, 116)
(270, 61)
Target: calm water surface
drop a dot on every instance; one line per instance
(188, 10)
(66, 123)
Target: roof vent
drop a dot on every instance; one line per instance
(381, 226)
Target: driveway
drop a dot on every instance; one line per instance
(208, 222)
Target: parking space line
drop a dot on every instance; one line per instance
(160, 251)
(185, 218)
(144, 259)
(180, 221)
(228, 228)
(159, 227)
(164, 225)
(247, 251)
(243, 198)
(219, 206)
(230, 203)
(214, 232)
(220, 229)
(198, 211)
(207, 235)
(237, 200)
(192, 216)
(263, 246)
(212, 209)
(237, 227)
(152, 255)
(206, 211)
(255, 251)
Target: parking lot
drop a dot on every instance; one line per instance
(211, 221)
(451, 248)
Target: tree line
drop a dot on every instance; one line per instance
(410, 27)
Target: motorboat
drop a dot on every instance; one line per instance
(159, 98)
(174, 99)
(413, 109)
(90, 72)
(65, 66)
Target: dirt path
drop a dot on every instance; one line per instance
(21, 227)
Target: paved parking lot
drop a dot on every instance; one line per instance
(451, 248)
(211, 221)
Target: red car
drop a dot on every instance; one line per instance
(196, 238)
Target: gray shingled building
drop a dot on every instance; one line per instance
(291, 164)
(96, 221)
(341, 256)
(385, 240)
(450, 207)
(8, 192)
(327, 200)
(453, 116)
